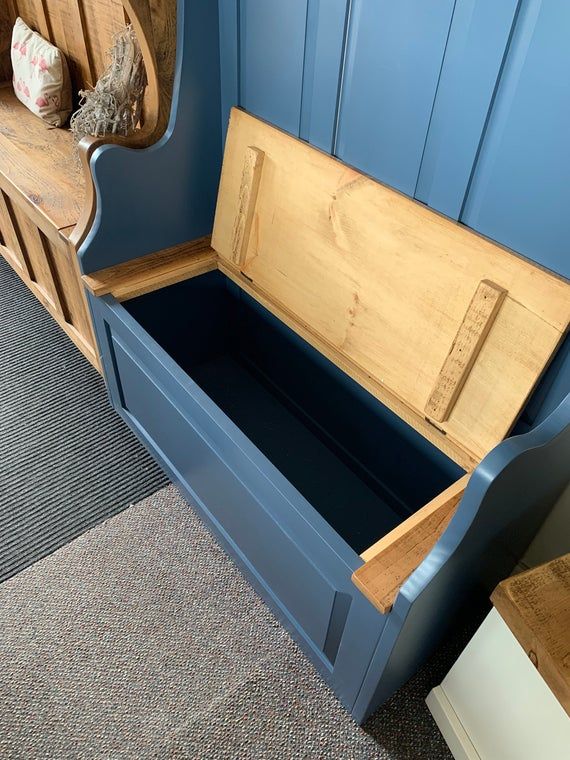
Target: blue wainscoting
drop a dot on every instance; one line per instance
(393, 61)
(272, 54)
(478, 41)
(326, 29)
(283, 62)
(520, 190)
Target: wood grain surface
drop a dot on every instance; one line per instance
(536, 607)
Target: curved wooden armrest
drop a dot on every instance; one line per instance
(155, 270)
(391, 561)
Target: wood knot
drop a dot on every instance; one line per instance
(353, 309)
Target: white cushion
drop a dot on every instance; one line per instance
(41, 77)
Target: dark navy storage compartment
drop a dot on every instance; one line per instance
(359, 466)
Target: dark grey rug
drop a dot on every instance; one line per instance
(67, 461)
(141, 639)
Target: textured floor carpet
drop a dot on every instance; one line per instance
(141, 639)
(66, 459)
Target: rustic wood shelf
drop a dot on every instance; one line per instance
(536, 607)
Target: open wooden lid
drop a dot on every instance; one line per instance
(446, 328)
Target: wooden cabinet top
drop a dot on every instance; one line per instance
(536, 607)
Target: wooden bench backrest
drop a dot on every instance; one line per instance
(84, 30)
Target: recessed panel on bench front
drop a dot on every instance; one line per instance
(49, 267)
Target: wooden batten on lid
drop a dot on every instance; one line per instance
(446, 328)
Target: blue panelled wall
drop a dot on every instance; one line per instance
(462, 104)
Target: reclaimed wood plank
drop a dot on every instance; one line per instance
(157, 270)
(465, 349)
(249, 188)
(536, 607)
(393, 558)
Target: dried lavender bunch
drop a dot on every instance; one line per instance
(114, 106)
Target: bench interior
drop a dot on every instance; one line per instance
(360, 466)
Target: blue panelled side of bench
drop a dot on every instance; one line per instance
(508, 497)
(164, 195)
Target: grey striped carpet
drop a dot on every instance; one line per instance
(67, 461)
(141, 639)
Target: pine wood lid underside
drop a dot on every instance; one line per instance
(434, 319)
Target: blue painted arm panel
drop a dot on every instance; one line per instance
(164, 195)
(520, 191)
(507, 499)
(393, 61)
(477, 43)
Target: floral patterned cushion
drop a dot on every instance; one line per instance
(41, 77)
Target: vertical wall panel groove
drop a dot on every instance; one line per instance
(478, 43)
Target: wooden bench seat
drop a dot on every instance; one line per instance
(39, 163)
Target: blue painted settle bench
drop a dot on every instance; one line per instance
(310, 465)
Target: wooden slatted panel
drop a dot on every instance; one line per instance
(381, 284)
(82, 29)
(33, 13)
(6, 24)
(163, 25)
(10, 236)
(35, 254)
(70, 35)
(102, 20)
(68, 284)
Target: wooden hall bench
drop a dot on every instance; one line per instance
(47, 200)
(332, 383)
